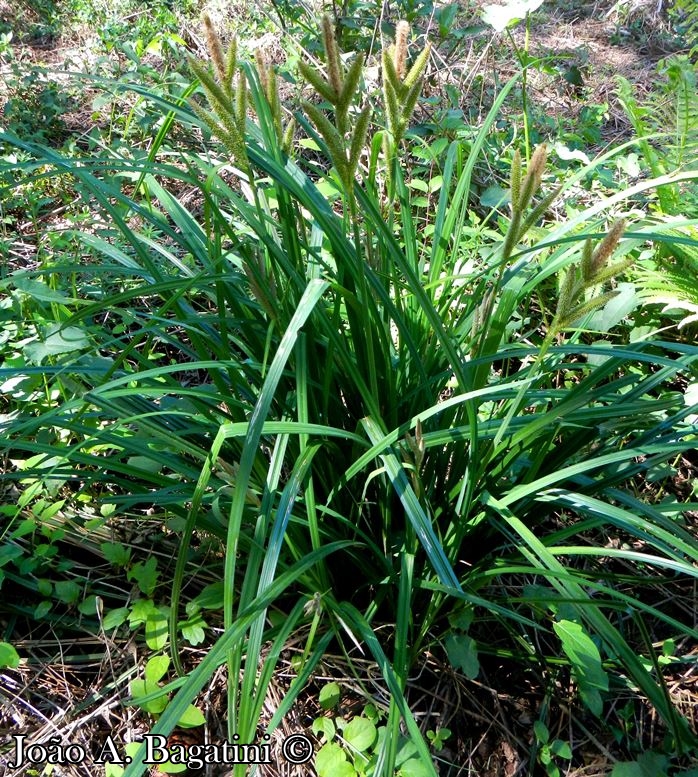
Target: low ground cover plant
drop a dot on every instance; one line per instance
(391, 421)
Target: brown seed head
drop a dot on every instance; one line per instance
(262, 69)
(215, 49)
(334, 68)
(606, 247)
(402, 34)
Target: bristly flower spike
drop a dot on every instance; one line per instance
(215, 50)
(400, 52)
(534, 176)
(606, 247)
(339, 88)
(334, 64)
(228, 100)
(594, 271)
(401, 91)
(515, 180)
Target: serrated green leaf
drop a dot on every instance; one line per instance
(140, 610)
(116, 553)
(145, 574)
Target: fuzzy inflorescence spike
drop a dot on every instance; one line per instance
(334, 63)
(606, 247)
(402, 33)
(215, 48)
(593, 271)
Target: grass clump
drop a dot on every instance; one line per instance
(389, 445)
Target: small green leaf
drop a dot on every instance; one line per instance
(462, 653)
(330, 695)
(419, 185)
(193, 629)
(56, 341)
(561, 749)
(324, 726)
(140, 610)
(156, 668)
(616, 309)
(9, 553)
(331, 761)
(191, 718)
(88, 606)
(27, 526)
(114, 618)
(67, 591)
(146, 464)
(38, 290)
(113, 769)
(116, 554)
(494, 197)
(141, 688)
(211, 598)
(156, 631)
(649, 764)
(462, 619)
(415, 768)
(360, 733)
(145, 574)
(541, 732)
(42, 609)
(8, 656)
(586, 663)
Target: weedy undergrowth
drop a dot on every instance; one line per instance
(383, 433)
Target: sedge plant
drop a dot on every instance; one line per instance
(354, 407)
